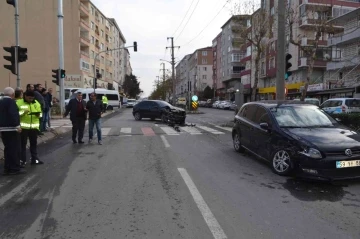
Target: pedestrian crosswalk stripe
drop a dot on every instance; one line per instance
(125, 130)
(224, 128)
(191, 130)
(105, 131)
(213, 131)
(169, 131)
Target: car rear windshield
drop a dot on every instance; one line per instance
(352, 103)
(301, 117)
(131, 100)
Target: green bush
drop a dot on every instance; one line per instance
(350, 120)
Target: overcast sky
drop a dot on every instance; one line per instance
(150, 22)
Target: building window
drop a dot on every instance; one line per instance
(102, 46)
(204, 77)
(248, 23)
(84, 66)
(92, 40)
(102, 72)
(102, 60)
(110, 63)
(272, 63)
(205, 68)
(102, 20)
(248, 51)
(92, 54)
(236, 57)
(229, 48)
(111, 75)
(204, 61)
(102, 33)
(92, 11)
(272, 11)
(229, 38)
(92, 25)
(204, 53)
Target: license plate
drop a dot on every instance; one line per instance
(348, 164)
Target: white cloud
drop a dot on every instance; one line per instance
(150, 22)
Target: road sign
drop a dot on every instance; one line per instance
(194, 105)
(194, 98)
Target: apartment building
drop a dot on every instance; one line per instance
(229, 54)
(343, 71)
(194, 72)
(308, 16)
(87, 32)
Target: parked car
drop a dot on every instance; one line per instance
(225, 105)
(341, 105)
(216, 104)
(158, 109)
(297, 138)
(313, 101)
(233, 106)
(130, 103)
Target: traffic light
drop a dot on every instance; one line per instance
(22, 54)
(11, 2)
(11, 58)
(135, 46)
(287, 66)
(62, 73)
(98, 75)
(56, 76)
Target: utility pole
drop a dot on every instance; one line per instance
(18, 81)
(61, 54)
(164, 88)
(280, 58)
(173, 65)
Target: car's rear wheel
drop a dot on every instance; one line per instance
(137, 116)
(163, 118)
(237, 143)
(281, 163)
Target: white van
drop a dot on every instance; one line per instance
(312, 101)
(341, 105)
(112, 95)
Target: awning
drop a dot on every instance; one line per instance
(294, 86)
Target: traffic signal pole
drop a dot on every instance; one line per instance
(18, 81)
(61, 55)
(280, 58)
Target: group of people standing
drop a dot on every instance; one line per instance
(79, 111)
(21, 117)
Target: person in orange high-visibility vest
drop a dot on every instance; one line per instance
(30, 114)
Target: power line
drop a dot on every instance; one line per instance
(184, 17)
(188, 19)
(208, 23)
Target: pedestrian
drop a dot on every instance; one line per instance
(10, 132)
(18, 94)
(38, 97)
(105, 102)
(45, 112)
(30, 114)
(50, 99)
(78, 111)
(95, 109)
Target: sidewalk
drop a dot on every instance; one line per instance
(59, 126)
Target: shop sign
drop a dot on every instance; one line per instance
(316, 87)
(73, 81)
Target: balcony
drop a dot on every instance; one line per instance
(235, 74)
(84, 39)
(84, 24)
(339, 63)
(85, 53)
(84, 10)
(348, 37)
(97, 32)
(309, 23)
(245, 72)
(305, 61)
(310, 42)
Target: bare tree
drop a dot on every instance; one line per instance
(257, 34)
(317, 17)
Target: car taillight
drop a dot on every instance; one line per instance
(343, 108)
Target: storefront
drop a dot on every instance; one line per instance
(269, 93)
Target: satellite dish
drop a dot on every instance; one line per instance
(327, 57)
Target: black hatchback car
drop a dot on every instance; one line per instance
(297, 138)
(158, 109)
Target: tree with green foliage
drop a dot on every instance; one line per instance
(131, 86)
(208, 93)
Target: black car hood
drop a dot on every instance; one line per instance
(326, 139)
(176, 109)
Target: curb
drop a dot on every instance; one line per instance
(49, 135)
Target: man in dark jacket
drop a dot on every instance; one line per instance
(77, 109)
(95, 108)
(10, 129)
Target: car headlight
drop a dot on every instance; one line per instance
(311, 153)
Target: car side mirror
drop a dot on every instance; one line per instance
(264, 126)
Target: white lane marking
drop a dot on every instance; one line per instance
(208, 216)
(191, 130)
(213, 131)
(67, 126)
(125, 135)
(166, 143)
(16, 190)
(169, 131)
(125, 130)
(223, 128)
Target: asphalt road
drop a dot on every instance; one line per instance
(148, 181)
